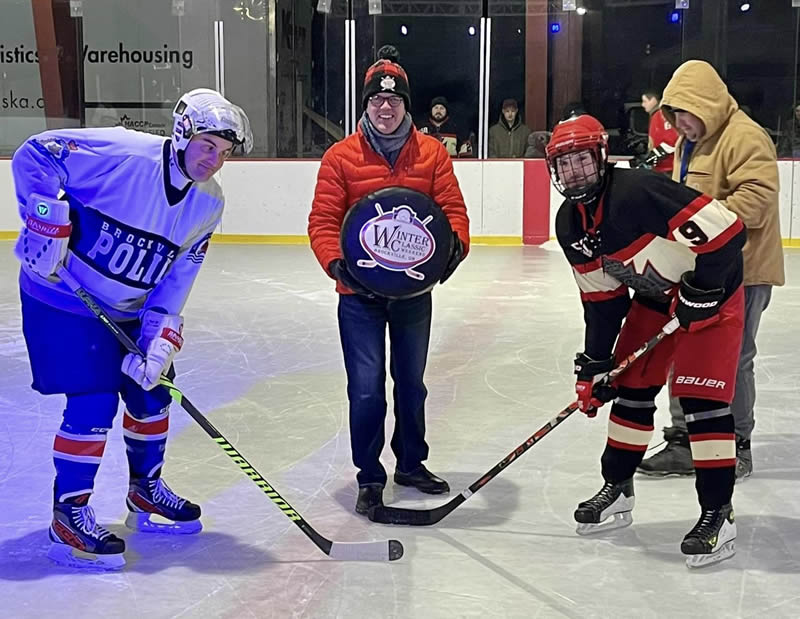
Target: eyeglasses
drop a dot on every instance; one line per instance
(377, 100)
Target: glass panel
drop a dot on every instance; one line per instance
(789, 131)
(310, 76)
(439, 45)
(511, 78)
(762, 78)
(246, 36)
(27, 63)
(627, 48)
(139, 58)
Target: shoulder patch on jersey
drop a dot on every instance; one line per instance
(198, 251)
(57, 148)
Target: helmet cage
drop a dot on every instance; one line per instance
(594, 142)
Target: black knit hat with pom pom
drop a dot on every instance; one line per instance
(386, 75)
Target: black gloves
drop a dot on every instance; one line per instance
(339, 270)
(456, 255)
(696, 308)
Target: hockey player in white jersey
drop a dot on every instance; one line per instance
(130, 215)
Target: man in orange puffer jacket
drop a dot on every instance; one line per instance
(386, 151)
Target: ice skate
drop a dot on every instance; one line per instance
(712, 539)
(154, 508)
(79, 542)
(614, 501)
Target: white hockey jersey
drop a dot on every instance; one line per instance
(137, 241)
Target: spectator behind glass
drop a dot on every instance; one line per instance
(789, 142)
(509, 137)
(661, 136)
(444, 129)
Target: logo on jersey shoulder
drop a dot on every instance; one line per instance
(667, 125)
(57, 148)
(700, 381)
(397, 240)
(198, 251)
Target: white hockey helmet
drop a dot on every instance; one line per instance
(204, 110)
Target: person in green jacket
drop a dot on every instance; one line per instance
(509, 137)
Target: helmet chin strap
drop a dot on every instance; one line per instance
(178, 175)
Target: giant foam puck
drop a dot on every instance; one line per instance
(396, 242)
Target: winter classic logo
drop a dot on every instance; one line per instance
(397, 241)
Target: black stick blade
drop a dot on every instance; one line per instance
(412, 517)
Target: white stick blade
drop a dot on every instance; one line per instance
(390, 550)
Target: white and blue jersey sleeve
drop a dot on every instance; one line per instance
(137, 242)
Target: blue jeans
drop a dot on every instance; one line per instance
(362, 329)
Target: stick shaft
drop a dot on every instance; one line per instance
(248, 469)
(395, 515)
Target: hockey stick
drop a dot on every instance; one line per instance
(386, 550)
(423, 517)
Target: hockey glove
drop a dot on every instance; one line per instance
(592, 392)
(696, 308)
(652, 158)
(339, 270)
(456, 256)
(43, 240)
(161, 339)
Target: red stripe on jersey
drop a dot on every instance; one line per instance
(594, 265)
(712, 436)
(625, 446)
(79, 448)
(686, 213)
(593, 297)
(629, 424)
(627, 253)
(714, 464)
(721, 239)
(145, 427)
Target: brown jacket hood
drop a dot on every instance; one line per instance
(697, 88)
(734, 162)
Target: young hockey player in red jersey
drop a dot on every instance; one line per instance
(679, 251)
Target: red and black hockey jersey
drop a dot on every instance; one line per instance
(643, 234)
(662, 135)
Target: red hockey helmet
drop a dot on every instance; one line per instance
(576, 176)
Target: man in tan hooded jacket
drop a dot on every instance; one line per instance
(725, 154)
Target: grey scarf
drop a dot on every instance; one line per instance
(387, 146)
